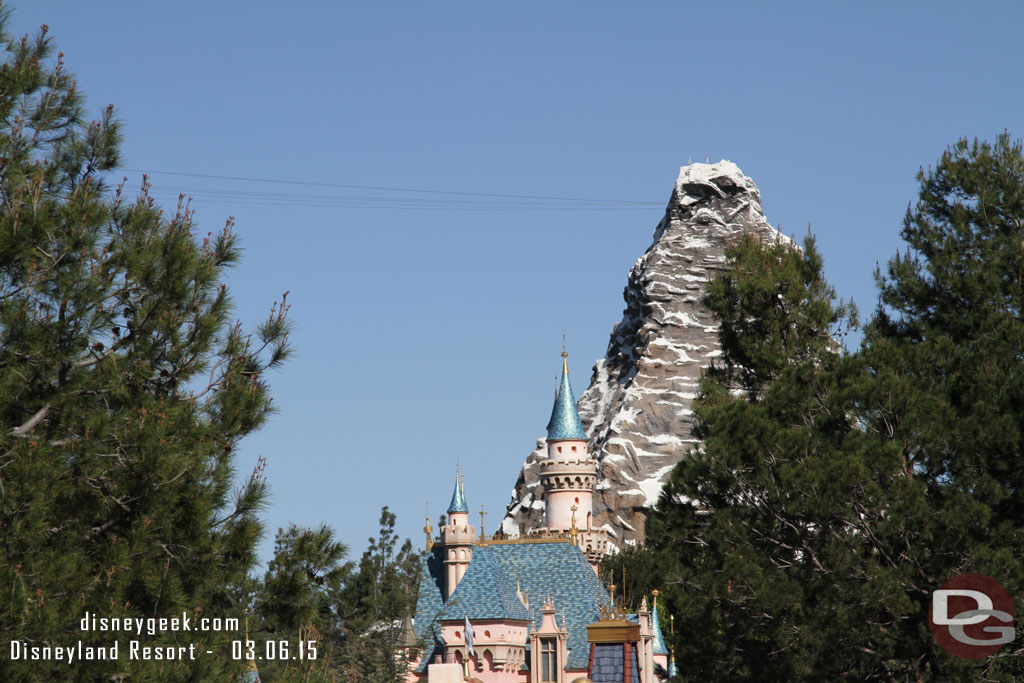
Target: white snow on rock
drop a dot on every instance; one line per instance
(637, 409)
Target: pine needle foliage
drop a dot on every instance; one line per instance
(945, 349)
(125, 389)
(377, 596)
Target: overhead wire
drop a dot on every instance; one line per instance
(452, 200)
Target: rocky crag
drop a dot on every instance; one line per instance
(637, 409)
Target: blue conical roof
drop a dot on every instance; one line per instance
(565, 421)
(458, 503)
(554, 409)
(659, 639)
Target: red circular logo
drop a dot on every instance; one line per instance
(971, 616)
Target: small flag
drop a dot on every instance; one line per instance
(469, 637)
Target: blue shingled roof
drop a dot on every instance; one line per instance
(559, 571)
(659, 639)
(554, 409)
(565, 421)
(458, 503)
(487, 591)
(429, 604)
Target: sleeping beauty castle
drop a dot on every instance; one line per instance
(531, 609)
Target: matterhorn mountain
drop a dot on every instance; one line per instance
(637, 409)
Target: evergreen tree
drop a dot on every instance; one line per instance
(372, 606)
(297, 602)
(303, 575)
(751, 532)
(356, 613)
(125, 389)
(945, 349)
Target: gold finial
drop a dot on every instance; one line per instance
(655, 593)
(482, 537)
(572, 530)
(672, 624)
(462, 485)
(613, 594)
(612, 613)
(427, 529)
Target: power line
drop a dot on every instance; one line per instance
(619, 203)
(363, 201)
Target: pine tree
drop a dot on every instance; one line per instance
(297, 602)
(125, 389)
(304, 573)
(374, 603)
(945, 348)
(750, 532)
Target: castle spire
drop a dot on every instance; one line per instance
(457, 537)
(565, 421)
(659, 638)
(458, 503)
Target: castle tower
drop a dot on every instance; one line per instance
(569, 475)
(457, 538)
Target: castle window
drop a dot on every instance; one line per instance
(548, 661)
(559, 449)
(573, 449)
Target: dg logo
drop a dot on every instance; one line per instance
(971, 616)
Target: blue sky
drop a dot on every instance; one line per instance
(424, 330)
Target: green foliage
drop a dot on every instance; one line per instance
(945, 350)
(834, 492)
(355, 612)
(296, 602)
(638, 579)
(373, 605)
(125, 389)
(303, 575)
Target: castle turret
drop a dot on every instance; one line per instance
(457, 537)
(569, 475)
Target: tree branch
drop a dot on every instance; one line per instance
(23, 430)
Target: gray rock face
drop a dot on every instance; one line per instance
(637, 407)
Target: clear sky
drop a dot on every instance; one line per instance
(430, 324)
